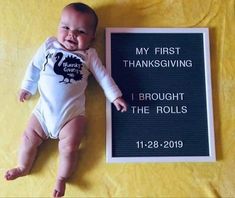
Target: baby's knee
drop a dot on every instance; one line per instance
(30, 139)
(68, 149)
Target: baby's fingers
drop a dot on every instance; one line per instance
(120, 105)
(123, 107)
(24, 95)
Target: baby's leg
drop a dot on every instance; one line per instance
(31, 139)
(70, 138)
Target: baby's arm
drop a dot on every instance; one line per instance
(32, 75)
(120, 104)
(111, 90)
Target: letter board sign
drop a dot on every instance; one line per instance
(164, 74)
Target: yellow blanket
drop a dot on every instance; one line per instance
(25, 24)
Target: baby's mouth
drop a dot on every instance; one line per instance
(72, 42)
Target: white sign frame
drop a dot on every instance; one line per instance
(211, 138)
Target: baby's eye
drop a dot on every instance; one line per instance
(65, 27)
(81, 32)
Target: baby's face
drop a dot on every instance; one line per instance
(75, 31)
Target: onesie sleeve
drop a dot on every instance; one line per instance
(107, 83)
(30, 80)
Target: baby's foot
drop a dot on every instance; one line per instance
(15, 173)
(59, 188)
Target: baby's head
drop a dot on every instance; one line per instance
(77, 27)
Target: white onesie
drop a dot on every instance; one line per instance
(61, 79)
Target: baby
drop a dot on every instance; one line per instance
(59, 70)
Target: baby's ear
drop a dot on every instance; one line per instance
(93, 37)
(93, 40)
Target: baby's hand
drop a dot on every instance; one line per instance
(24, 95)
(120, 104)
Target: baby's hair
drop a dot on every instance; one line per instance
(81, 7)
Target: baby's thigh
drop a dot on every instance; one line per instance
(72, 133)
(34, 132)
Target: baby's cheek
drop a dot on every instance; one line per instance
(82, 43)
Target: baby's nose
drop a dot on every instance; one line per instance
(72, 33)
